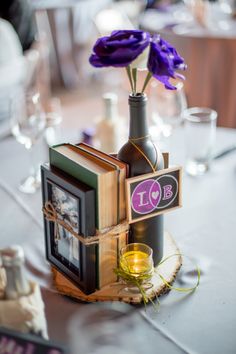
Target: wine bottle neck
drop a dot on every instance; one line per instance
(138, 119)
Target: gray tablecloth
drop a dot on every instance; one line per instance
(204, 229)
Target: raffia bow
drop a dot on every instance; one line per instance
(51, 215)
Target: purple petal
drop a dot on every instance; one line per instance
(119, 49)
(163, 61)
(165, 81)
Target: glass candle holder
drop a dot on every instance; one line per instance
(136, 260)
(200, 136)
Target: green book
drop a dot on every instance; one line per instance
(96, 173)
(122, 169)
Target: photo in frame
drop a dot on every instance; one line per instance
(74, 204)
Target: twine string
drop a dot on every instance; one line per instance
(128, 278)
(132, 141)
(51, 215)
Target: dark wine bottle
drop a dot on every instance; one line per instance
(142, 157)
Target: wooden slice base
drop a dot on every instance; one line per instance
(118, 291)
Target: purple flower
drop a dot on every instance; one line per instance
(119, 49)
(163, 61)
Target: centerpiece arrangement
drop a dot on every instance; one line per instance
(135, 50)
(103, 213)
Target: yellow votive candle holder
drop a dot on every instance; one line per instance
(136, 260)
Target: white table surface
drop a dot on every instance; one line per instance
(204, 229)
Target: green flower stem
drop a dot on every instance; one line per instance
(148, 77)
(134, 74)
(128, 70)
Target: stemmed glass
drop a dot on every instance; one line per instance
(53, 132)
(167, 108)
(28, 125)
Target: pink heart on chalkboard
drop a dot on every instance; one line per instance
(155, 195)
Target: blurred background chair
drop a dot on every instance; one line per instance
(68, 26)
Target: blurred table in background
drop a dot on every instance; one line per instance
(210, 53)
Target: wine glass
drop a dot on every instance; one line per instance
(27, 126)
(53, 131)
(167, 108)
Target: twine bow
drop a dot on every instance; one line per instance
(51, 215)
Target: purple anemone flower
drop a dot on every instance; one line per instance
(163, 62)
(119, 49)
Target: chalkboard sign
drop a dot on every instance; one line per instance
(12, 342)
(153, 194)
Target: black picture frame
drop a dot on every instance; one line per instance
(74, 202)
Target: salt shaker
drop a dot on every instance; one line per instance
(13, 261)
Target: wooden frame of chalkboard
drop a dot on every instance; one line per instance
(74, 202)
(14, 342)
(153, 193)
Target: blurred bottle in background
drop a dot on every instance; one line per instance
(13, 262)
(109, 127)
(22, 308)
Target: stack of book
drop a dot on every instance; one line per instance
(86, 189)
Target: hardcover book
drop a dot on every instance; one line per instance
(122, 169)
(107, 175)
(73, 202)
(108, 252)
(96, 173)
